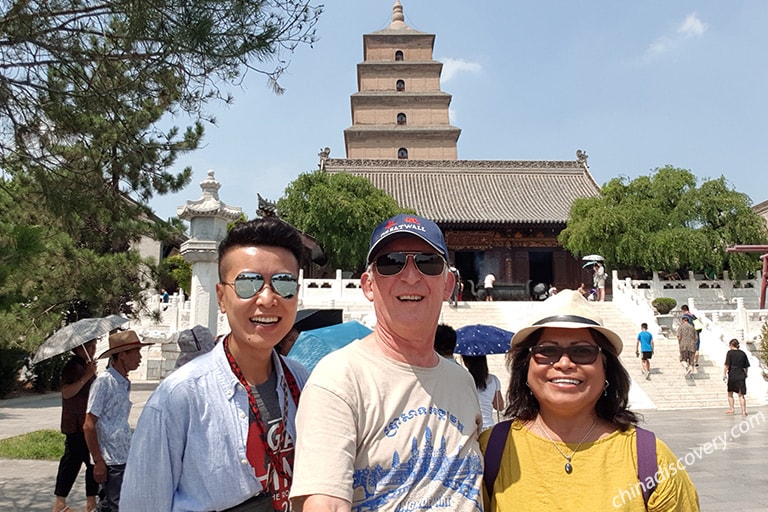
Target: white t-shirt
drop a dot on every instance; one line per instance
(489, 280)
(485, 397)
(388, 436)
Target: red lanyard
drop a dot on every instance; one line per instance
(275, 462)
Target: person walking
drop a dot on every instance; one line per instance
(735, 373)
(77, 376)
(385, 423)
(106, 427)
(599, 280)
(696, 323)
(686, 339)
(644, 345)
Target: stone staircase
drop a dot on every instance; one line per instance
(667, 388)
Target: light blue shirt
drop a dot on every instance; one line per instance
(110, 401)
(188, 450)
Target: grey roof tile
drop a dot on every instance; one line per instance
(478, 192)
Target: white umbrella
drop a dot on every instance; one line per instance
(593, 257)
(75, 334)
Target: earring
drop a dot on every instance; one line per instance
(605, 388)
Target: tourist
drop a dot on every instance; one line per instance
(487, 386)
(219, 432)
(686, 339)
(77, 376)
(106, 427)
(735, 374)
(385, 423)
(572, 443)
(644, 344)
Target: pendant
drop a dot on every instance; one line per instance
(568, 468)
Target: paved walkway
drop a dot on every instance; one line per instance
(725, 455)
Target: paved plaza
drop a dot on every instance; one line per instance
(725, 455)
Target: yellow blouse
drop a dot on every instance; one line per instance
(532, 476)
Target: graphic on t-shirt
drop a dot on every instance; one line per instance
(453, 476)
(262, 464)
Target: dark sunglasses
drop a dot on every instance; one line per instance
(249, 284)
(578, 354)
(392, 263)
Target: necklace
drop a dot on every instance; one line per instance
(568, 465)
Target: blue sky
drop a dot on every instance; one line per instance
(636, 85)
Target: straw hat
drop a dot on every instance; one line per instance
(567, 310)
(122, 341)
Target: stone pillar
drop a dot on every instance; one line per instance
(208, 218)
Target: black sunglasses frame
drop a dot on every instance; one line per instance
(399, 259)
(249, 284)
(578, 354)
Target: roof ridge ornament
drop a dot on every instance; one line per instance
(581, 157)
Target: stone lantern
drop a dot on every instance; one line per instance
(208, 218)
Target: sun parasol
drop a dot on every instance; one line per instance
(482, 340)
(75, 334)
(313, 345)
(593, 257)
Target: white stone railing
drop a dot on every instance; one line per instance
(719, 325)
(710, 293)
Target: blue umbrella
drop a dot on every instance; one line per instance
(482, 340)
(313, 345)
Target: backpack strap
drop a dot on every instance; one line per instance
(646, 461)
(493, 451)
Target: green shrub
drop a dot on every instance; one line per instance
(664, 304)
(11, 361)
(764, 345)
(46, 375)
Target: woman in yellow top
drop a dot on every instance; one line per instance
(572, 445)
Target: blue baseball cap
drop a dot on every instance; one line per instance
(405, 225)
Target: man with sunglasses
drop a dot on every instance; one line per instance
(219, 432)
(385, 423)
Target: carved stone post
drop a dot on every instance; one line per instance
(208, 218)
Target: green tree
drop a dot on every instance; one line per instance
(340, 211)
(175, 272)
(84, 88)
(665, 222)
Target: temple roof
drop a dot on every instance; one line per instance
(478, 192)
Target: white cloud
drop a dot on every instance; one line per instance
(690, 27)
(453, 67)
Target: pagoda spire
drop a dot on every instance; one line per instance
(398, 18)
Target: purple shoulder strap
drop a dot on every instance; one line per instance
(646, 461)
(493, 451)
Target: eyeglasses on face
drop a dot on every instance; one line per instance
(392, 263)
(249, 284)
(578, 354)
